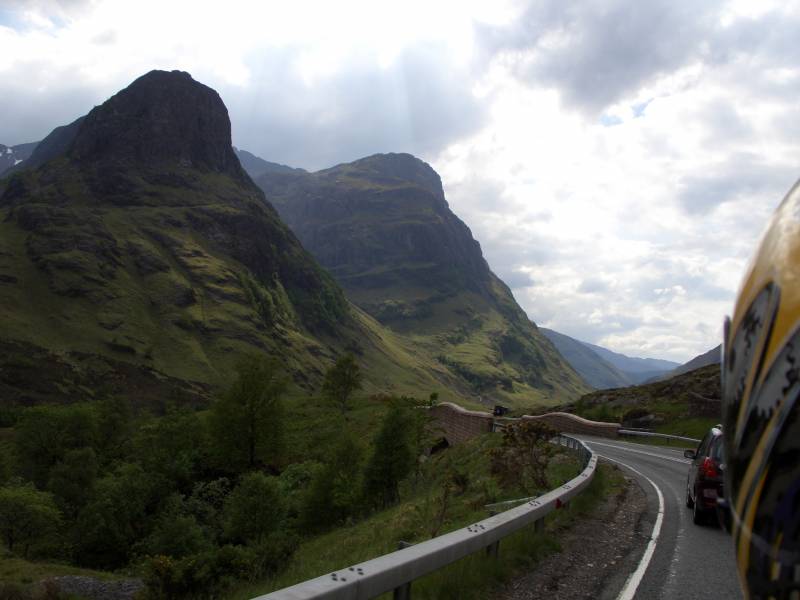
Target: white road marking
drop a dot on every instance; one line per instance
(624, 449)
(635, 578)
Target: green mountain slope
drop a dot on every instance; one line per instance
(382, 227)
(143, 242)
(595, 370)
(687, 404)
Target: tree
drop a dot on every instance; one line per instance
(391, 461)
(246, 423)
(27, 517)
(72, 480)
(173, 448)
(341, 380)
(521, 461)
(45, 434)
(115, 518)
(254, 510)
(333, 493)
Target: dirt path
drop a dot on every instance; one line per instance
(598, 553)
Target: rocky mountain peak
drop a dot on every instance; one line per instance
(162, 118)
(393, 168)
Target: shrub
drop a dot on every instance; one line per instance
(254, 510)
(391, 461)
(28, 518)
(521, 461)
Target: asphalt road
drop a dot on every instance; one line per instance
(688, 561)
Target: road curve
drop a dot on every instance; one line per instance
(688, 561)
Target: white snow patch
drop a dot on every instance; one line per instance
(17, 161)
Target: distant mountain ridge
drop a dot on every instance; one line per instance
(596, 371)
(638, 370)
(382, 227)
(712, 357)
(11, 156)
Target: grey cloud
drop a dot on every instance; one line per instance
(593, 285)
(515, 279)
(742, 174)
(611, 48)
(419, 104)
(36, 107)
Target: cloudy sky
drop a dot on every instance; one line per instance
(616, 160)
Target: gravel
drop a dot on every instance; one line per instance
(598, 552)
(96, 589)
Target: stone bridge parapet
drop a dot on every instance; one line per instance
(459, 424)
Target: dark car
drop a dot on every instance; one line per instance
(704, 482)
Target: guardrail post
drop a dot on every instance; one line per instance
(493, 550)
(538, 525)
(402, 592)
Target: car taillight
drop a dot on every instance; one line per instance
(708, 469)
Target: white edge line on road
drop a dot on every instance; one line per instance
(635, 578)
(626, 449)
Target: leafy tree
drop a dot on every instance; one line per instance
(173, 448)
(175, 533)
(254, 510)
(247, 423)
(342, 380)
(72, 480)
(206, 502)
(333, 493)
(115, 518)
(114, 428)
(45, 434)
(391, 461)
(27, 517)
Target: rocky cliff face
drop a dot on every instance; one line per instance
(382, 227)
(140, 237)
(163, 119)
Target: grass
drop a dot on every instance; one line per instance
(475, 576)
(411, 520)
(26, 573)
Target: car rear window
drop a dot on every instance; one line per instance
(715, 451)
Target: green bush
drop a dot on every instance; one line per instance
(44, 434)
(335, 489)
(391, 461)
(29, 519)
(254, 509)
(116, 518)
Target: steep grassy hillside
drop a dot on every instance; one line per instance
(712, 357)
(596, 371)
(144, 243)
(382, 227)
(687, 404)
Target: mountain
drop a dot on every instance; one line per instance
(686, 404)
(637, 370)
(596, 371)
(11, 156)
(256, 166)
(136, 253)
(382, 227)
(712, 357)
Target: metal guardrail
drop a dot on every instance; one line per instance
(664, 436)
(397, 570)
